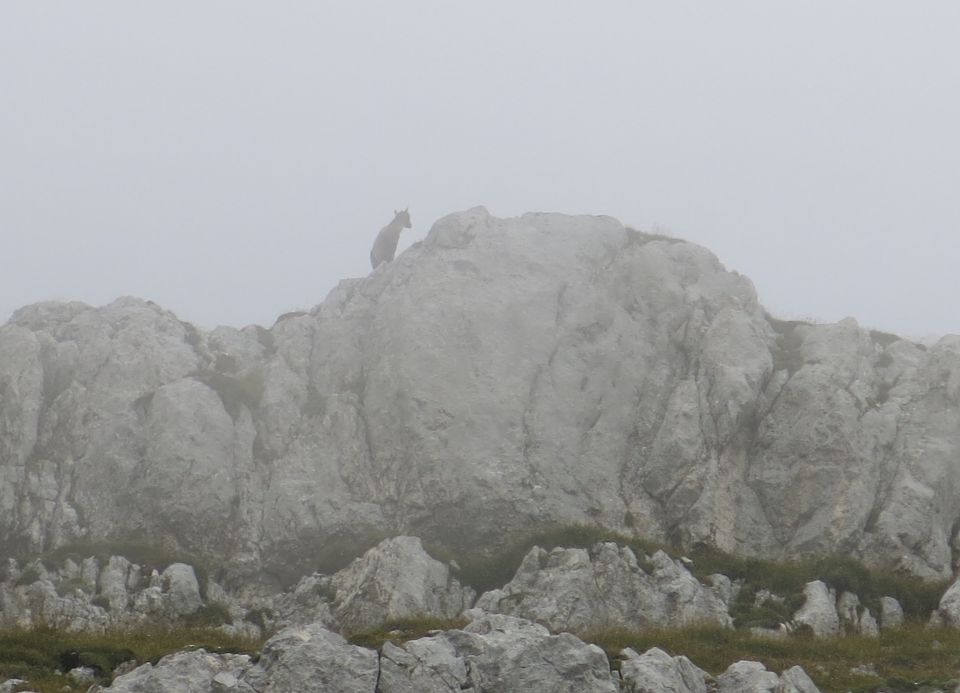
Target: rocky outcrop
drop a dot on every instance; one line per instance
(605, 587)
(312, 658)
(186, 672)
(492, 653)
(819, 610)
(90, 596)
(891, 613)
(500, 376)
(397, 579)
(752, 677)
(948, 610)
(657, 672)
(496, 653)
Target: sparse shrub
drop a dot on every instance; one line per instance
(101, 601)
(259, 617)
(235, 390)
(884, 339)
(402, 630)
(485, 572)
(38, 654)
(209, 615)
(266, 339)
(72, 585)
(28, 576)
(788, 353)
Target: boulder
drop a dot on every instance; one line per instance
(819, 610)
(181, 588)
(396, 579)
(305, 658)
(657, 672)
(604, 587)
(796, 680)
(948, 610)
(752, 677)
(496, 653)
(891, 613)
(185, 672)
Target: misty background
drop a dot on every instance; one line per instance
(234, 160)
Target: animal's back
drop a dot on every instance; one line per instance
(385, 246)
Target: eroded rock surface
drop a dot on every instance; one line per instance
(396, 579)
(605, 587)
(496, 653)
(501, 375)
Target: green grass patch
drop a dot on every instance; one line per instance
(784, 578)
(904, 659)
(483, 572)
(148, 556)
(402, 630)
(209, 616)
(37, 654)
(787, 578)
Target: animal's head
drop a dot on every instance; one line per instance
(403, 216)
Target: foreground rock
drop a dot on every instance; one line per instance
(605, 587)
(501, 376)
(184, 672)
(948, 610)
(657, 672)
(312, 658)
(752, 677)
(496, 653)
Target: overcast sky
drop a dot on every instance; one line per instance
(233, 160)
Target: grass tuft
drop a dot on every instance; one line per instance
(402, 630)
(36, 655)
(904, 659)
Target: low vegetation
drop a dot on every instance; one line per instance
(912, 658)
(787, 578)
(402, 630)
(37, 655)
(147, 555)
(486, 572)
(783, 578)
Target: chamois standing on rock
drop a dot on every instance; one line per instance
(385, 247)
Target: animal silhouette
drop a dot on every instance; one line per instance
(385, 246)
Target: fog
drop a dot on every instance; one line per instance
(234, 160)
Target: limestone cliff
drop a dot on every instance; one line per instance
(502, 375)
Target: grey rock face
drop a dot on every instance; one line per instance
(394, 580)
(91, 598)
(855, 617)
(891, 613)
(182, 586)
(311, 658)
(747, 677)
(657, 672)
(496, 653)
(579, 590)
(185, 672)
(948, 611)
(819, 610)
(501, 375)
(796, 680)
